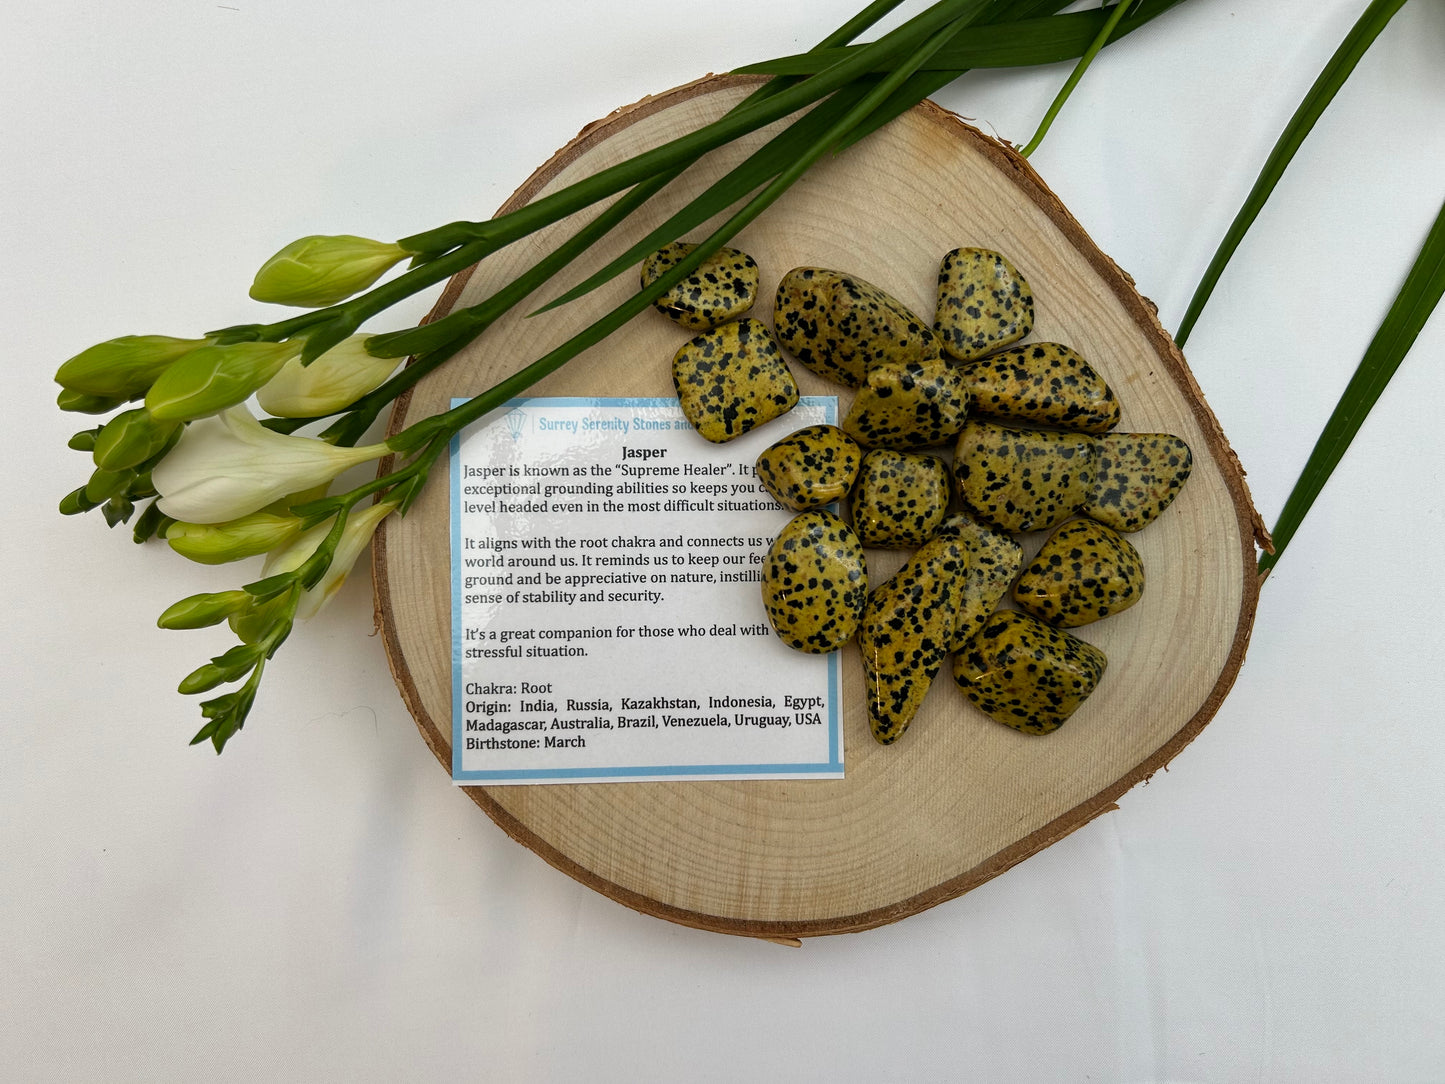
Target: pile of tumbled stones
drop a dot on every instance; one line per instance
(1033, 451)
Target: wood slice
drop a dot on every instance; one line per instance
(960, 799)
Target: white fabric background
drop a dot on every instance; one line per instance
(320, 903)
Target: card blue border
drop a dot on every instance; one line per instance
(834, 764)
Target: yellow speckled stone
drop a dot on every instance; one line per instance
(722, 289)
(839, 326)
(1023, 479)
(908, 404)
(992, 562)
(815, 583)
(1084, 572)
(810, 468)
(1042, 384)
(905, 633)
(900, 500)
(1138, 476)
(983, 303)
(1026, 675)
(733, 379)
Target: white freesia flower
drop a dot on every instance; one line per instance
(360, 526)
(333, 381)
(229, 466)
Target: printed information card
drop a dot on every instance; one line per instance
(607, 618)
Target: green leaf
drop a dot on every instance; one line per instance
(468, 412)
(1423, 288)
(1356, 42)
(1019, 42)
(441, 339)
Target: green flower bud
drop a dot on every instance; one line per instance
(231, 666)
(123, 368)
(200, 611)
(331, 383)
(130, 438)
(317, 271)
(215, 544)
(202, 679)
(80, 403)
(76, 502)
(84, 441)
(105, 484)
(212, 378)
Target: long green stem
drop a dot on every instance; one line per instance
(1361, 35)
(1105, 32)
(1423, 288)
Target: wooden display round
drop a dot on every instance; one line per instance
(960, 798)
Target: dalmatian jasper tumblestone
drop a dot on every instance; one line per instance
(1041, 384)
(905, 634)
(900, 500)
(992, 562)
(1084, 572)
(1026, 675)
(840, 326)
(983, 303)
(1138, 475)
(810, 467)
(733, 379)
(908, 404)
(722, 289)
(815, 583)
(1023, 479)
